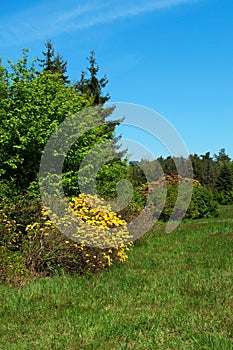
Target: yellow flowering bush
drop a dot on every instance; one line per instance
(12, 264)
(96, 237)
(9, 234)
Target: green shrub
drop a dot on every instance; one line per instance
(224, 197)
(136, 205)
(202, 204)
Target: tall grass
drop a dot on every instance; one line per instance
(174, 292)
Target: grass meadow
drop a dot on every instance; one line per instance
(174, 292)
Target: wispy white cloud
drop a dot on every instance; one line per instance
(42, 21)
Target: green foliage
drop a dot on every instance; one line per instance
(8, 191)
(108, 177)
(203, 204)
(36, 105)
(224, 181)
(208, 170)
(96, 147)
(32, 106)
(135, 206)
(222, 157)
(215, 173)
(224, 197)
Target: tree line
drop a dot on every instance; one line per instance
(213, 172)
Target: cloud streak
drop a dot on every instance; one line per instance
(42, 22)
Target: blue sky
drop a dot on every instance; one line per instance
(172, 56)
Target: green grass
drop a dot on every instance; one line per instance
(174, 292)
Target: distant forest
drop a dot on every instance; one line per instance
(213, 172)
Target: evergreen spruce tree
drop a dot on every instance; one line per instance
(196, 163)
(169, 166)
(54, 63)
(224, 181)
(92, 86)
(222, 157)
(208, 171)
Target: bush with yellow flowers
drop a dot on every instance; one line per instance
(12, 263)
(95, 238)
